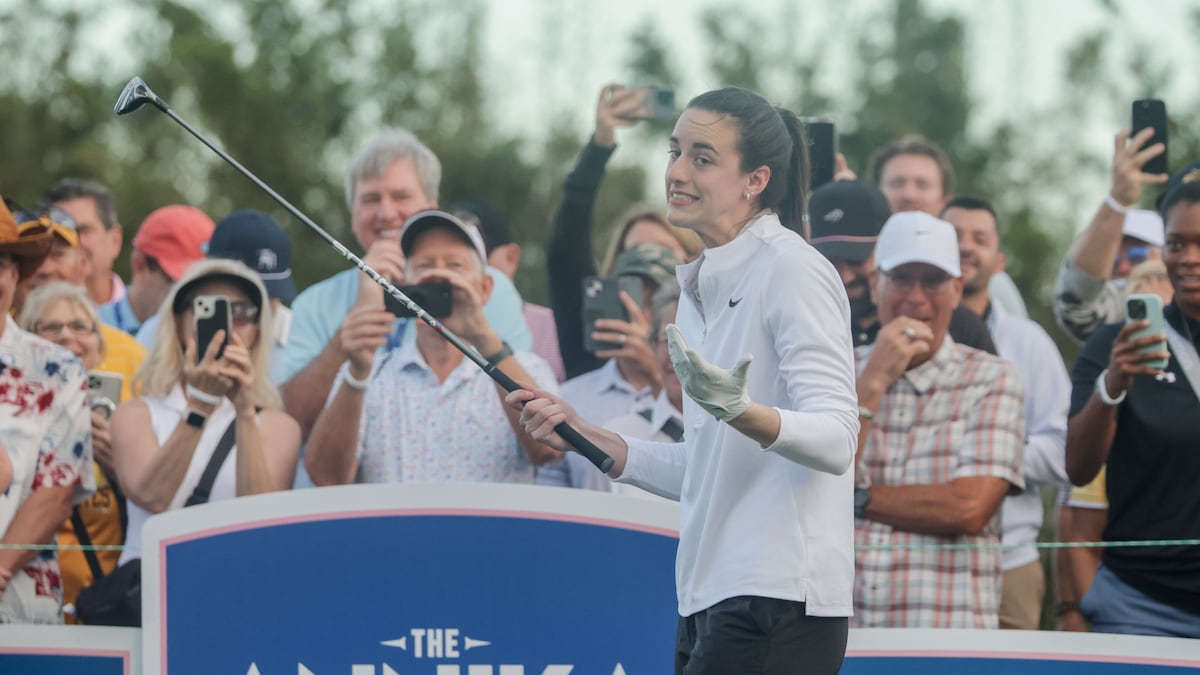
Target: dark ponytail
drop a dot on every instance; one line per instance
(771, 137)
(793, 209)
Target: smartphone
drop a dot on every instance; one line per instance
(822, 150)
(433, 297)
(658, 105)
(1147, 307)
(602, 300)
(104, 391)
(1151, 112)
(210, 314)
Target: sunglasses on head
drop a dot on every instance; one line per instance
(49, 217)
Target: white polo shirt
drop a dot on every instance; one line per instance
(779, 522)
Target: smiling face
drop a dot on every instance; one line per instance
(383, 203)
(1181, 255)
(978, 247)
(65, 323)
(706, 187)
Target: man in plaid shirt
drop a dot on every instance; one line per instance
(940, 446)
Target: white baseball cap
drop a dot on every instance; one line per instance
(423, 221)
(917, 237)
(1144, 226)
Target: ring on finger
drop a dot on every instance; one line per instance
(622, 338)
(909, 332)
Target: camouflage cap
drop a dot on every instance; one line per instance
(653, 261)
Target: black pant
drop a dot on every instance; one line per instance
(749, 635)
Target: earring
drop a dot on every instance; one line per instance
(747, 194)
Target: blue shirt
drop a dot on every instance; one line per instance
(120, 315)
(318, 312)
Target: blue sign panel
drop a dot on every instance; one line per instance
(61, 664)
(421, 591)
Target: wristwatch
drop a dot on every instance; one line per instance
(504, 353)
(195, 419)
(862, 497)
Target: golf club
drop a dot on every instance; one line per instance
(137, 94)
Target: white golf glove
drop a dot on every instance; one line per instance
(721, 392)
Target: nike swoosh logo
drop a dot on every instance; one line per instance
(734, 303)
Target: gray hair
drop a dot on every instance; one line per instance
(74, 188)
(385, 149)
(666, 297)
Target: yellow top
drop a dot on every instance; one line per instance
(101, 514)
(1091, 496)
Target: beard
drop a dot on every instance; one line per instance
(860, 304)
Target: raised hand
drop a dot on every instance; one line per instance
(720, 392)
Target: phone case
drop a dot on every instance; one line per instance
(822, 151)
(601, 300)
(434, 298)
(211, 314)
(1149, 307)
(104, 384)
(1152, 113)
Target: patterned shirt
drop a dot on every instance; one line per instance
(954, 416)
(415, 429)
(46, 428)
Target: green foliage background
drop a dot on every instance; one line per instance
(291, 87)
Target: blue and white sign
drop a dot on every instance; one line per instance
(413, 580)
(69, 650)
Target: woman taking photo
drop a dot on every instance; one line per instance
(164, 439)
(762, 348)
(62, 313)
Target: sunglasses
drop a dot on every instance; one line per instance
(242, 313)
(1135, 255)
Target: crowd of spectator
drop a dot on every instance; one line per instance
(969, 418)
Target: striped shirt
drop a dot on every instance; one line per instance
(957, 415)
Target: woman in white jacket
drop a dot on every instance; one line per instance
(765, 565)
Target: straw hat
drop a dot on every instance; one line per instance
(28, 242)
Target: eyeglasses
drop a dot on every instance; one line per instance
(242, 313)
(930, 283)
(53, 328)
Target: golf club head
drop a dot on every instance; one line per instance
(135, 95)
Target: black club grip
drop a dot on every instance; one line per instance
(582, 445)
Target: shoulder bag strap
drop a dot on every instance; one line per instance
(204, 488)
(1185, 353)
(85, 540)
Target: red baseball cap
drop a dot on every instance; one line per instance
(175, 236)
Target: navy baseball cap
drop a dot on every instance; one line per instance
(255, 239)
(846, 217)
